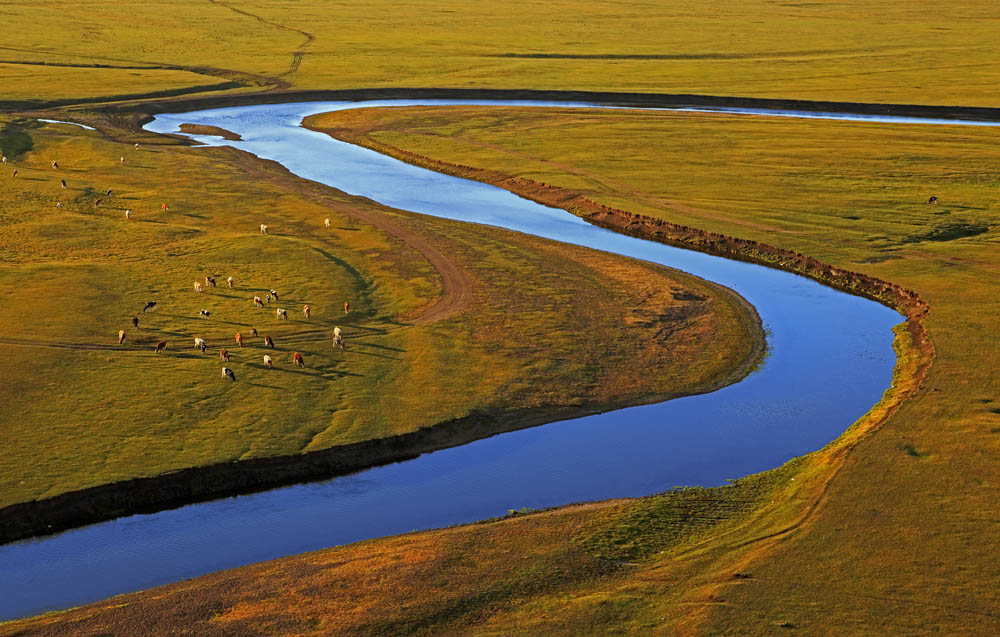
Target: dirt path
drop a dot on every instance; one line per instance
(456, 292)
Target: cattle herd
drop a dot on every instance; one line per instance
(210, 282)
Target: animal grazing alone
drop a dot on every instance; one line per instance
(257, 302)
(281, 314)
(268, 363)
(97, 202)
(199, 343)
(137, 145)
(228, 373)
(135, 321)
(327, 222)
(239, 339)
(204, 313)
(149, 307)
(164, 207)
(230, 281)
(224, 355)
(121, 336)
(298, 360)
(128, 214)
(14, 174)
(107, 193)
(347, 306)
(268, 342)
(160, 347)
(122, 160)
(62, 182)
(932, 200)
(55, 165)
(263, 228)
(306, 310)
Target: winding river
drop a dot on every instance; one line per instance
(830, 360)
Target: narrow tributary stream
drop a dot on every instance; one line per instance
(830, 360)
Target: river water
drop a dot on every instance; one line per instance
(830, 360)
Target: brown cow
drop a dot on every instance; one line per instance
(298, 360)
(224, 355)
(160, 347)
(268, 342)
(239, 339)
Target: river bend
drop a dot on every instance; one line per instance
(830, 360)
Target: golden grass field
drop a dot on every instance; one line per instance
(932, 52)
(891, 529)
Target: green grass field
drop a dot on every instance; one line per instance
(934, 52)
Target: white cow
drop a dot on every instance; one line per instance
(263, 228)
(199, 343)
(281, 314)
(197, 286)
(327, 222)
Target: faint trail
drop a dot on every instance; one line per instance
(456, 292)
(296, 55)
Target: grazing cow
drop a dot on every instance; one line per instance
(257, 302)
(5, 160)
(932, 200)
(135, 322)
(327, 222)
(55, 165)
(122, 160)
(137, 145)
(121, 336)
(204, 313)
(263, 228)
(268, 363)
(228, 373)
(347, 306)
(306, 310)
(58, 205)
(336, 332)
(128, 214)
(98, 202)
(268, 342)
(199, 343)
(210, 280)
(298, 360)
(253, 332)
(274, 294)
(14, 174)
(224, 355)
(108, 193)
(149, 307)
(231, 281)
(160, 347)
(239, 339)
(164, 207)
(267, 298)
(197, 286)
(62, 182)
(281, 314)
(338, 340)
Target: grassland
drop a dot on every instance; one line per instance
(889, 530)
(935, 52)
(80, 410)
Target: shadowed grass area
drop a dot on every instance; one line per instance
(854, 50)
(82, 410)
